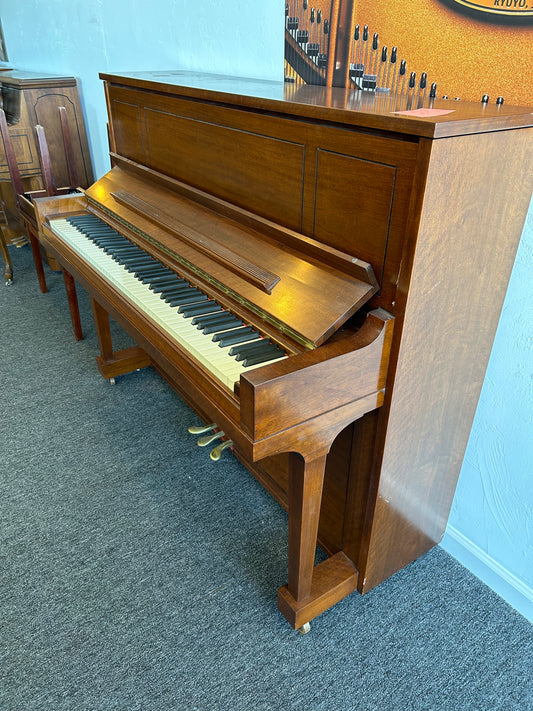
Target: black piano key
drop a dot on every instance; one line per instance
(75, 219)
(168, 290)
(164, 276)
(262, 350)
(102, 240)
(151, 279)
(139, 263)
(221, 325)
(257, 359)
(245, 348)
(99, 231)
(188, 298)
(170, 294)
(243, 330)
(201, 321)
(107, 242)
(154, 269)
(124, 258)
(208, 307)
(232, 340)
(166, 285)
(125, 251)
(125, 262)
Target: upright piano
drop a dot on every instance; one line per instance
(320, 277)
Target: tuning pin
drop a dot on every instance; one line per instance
(216, 453)
(422, 87)
(499, 100)
(208, 439)
(392, 65)
(401, 75)
(432, 95)
(382, 64)
(200, 429)
(485, 99)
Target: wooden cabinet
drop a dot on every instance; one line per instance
(29, 99)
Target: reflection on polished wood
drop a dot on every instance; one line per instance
(393, 243)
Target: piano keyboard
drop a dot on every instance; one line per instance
(210, 333)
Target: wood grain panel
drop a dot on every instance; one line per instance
(127, 130)
(467, 237)
(26, 158)
(353, 205)
(264, 174)
(46, 109)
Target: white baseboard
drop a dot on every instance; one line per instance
(505, 584)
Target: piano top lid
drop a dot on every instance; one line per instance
(343, 105)
(309, 298)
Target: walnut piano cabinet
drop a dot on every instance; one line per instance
(392, 238)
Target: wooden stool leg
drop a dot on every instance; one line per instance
(37, 259)
(8, 267)
(72, 297)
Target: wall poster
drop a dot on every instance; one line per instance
(469, 49)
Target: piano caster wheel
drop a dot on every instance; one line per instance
(204, 441)
(304, 629)
(216, 453)
(9, 282)
(111, 381)
(201, 429)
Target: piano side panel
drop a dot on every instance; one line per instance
(466, 240)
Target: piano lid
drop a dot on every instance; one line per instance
(304, 289)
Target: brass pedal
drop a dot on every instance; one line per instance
(216, 453)
(200, 429)
(204, 441)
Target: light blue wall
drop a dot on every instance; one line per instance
(491, 525)
(81, 39)
(490, 529)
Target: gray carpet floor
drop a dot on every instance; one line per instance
(138, 575)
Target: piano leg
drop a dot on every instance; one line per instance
(111, 363)
(72, 297)
(310, 590)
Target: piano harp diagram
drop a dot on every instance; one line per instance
(324, 46)
(291, 266)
